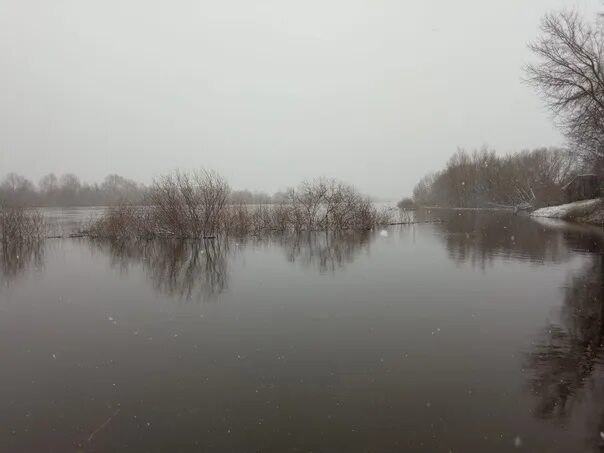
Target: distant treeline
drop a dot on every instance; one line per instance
(484, 179)
(69, 190)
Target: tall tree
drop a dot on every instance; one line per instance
(570, 77)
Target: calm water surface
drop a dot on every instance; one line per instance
(479, 334)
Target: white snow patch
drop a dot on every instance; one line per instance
(565, 210)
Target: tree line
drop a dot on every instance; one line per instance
(485, 179)
(568, 74)
(68, 190)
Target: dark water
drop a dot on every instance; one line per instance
(479, 334)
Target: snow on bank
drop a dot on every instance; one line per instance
(569, 210)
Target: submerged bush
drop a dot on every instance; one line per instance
(196, 206)
(20, 225)
(122, 220)
(188, 204)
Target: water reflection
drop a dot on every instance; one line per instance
(253, 361)
(567, 358)
(200, 269)
(182, 268)
(190, 269)
(479, 237)
(17, 258)
(326, 252)
(565, 367)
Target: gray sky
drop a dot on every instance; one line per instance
(374, 92)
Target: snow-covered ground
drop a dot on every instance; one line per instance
(569, 210)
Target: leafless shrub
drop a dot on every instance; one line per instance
(121, 220)
(20, 225)
(238, 220)
(180, 205)
(405, 216)
(281, 217)
(189, 204)
(21, 234)
(195, 205)
(328, 205)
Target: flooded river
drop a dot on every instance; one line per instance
(482, 333)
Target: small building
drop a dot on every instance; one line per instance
(582, 187)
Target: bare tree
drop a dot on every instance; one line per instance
(483, 178)
(17, 190)
(570, 77)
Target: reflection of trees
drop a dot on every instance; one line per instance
(565, 357)
(478, 237)
(564, 362)
(187, 269)
(326, 251)
(17, 257)
(199, 269)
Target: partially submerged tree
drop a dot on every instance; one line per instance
(570, 77)
(195, 205)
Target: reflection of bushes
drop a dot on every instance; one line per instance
(17, 257)
(183, 268)
(326, 251)
(199, 268)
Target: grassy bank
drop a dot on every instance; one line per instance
(585, 211)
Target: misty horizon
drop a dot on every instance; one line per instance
(375, 95)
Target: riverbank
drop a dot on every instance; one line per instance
(585, 211)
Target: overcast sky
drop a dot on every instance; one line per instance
(373, 92)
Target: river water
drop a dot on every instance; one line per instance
(482, 333)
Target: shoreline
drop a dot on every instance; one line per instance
(584, 211)
(590, 212)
